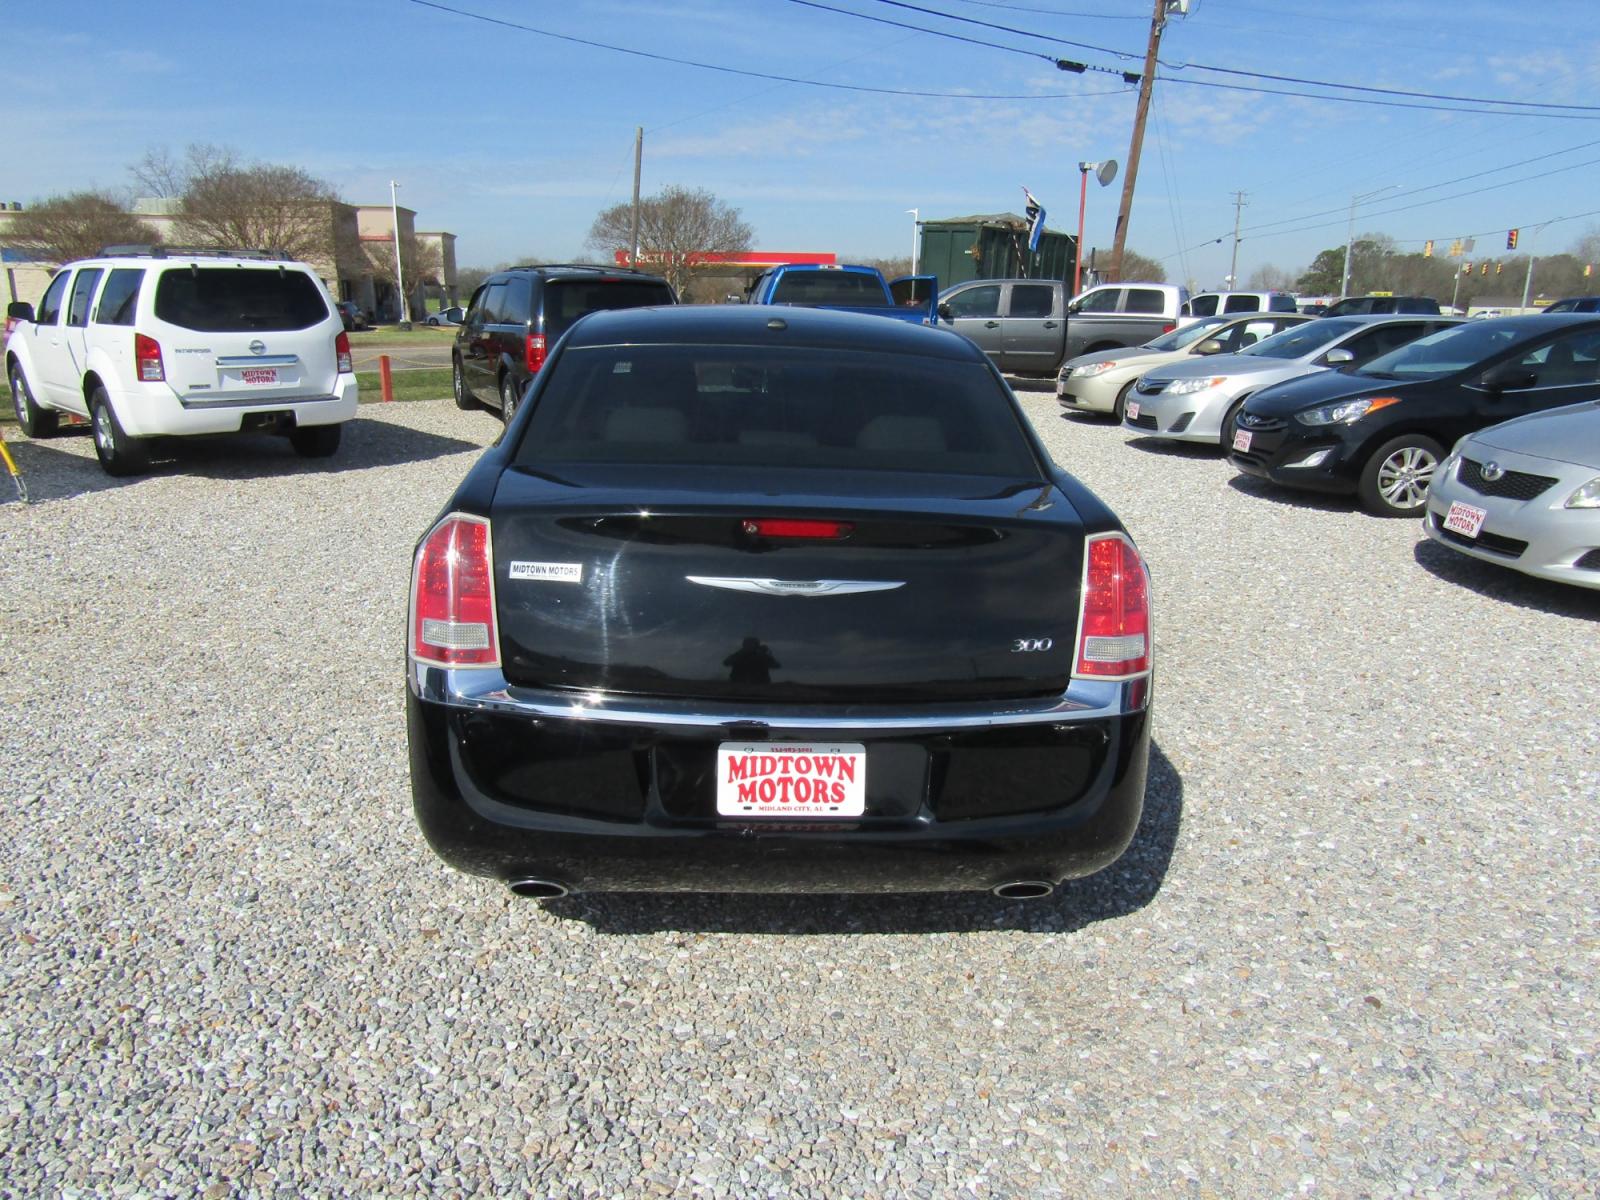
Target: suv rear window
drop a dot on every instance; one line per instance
(565, 300)
(238, 299)
(830, 287)
(742, 406)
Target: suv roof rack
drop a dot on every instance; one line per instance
(603, 267)
(142, 250)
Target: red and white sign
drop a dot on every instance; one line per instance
(1241, 440)
(1133, 410)
(764, 779)
(259, 375)
(1465, 519)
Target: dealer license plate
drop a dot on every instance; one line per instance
(769, 779)
(1133, 410)
(259, 375)
(1241, 439)
(1464, 519)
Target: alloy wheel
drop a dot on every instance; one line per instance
(1404, 476)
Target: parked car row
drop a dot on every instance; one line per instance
(1370, 406)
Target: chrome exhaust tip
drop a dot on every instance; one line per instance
(537, 889)
(1024, 889)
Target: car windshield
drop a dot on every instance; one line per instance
(1303, 341)
(1448, 351)
(1187, 336)
(743, 406)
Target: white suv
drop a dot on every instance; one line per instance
(155, 342)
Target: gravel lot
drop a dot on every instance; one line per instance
(1352, 952)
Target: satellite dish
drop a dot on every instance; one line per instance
(1107, 171)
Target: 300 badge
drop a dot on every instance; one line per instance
(1031, 645)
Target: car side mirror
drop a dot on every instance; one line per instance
(1209, 346)
(945, 314)
(1338, 357)
(19, 310)
(1509, 376)
(1074, 308)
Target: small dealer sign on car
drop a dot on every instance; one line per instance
(763, 780)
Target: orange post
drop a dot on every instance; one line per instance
(385, 378)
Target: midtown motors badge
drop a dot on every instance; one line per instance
(548, 572)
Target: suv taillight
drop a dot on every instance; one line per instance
(147, 359)
(341, 352)
(535, 352)
(1114, 613)
(452, 596)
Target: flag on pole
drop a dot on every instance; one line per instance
(1035, 214)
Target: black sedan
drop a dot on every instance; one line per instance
(1381, 431)
(762, 599)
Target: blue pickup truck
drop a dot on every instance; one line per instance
(913, 298)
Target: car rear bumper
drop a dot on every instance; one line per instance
(596, 796)
(155, 410)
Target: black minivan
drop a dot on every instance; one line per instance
(517, 315)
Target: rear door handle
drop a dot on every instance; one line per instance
(991, 324)
(1049, 324)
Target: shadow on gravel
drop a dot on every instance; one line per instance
(1103, 420)
(1267, 490)
(1169, 449)
(54, 472)
(1019, 384)
(1502, 583)
(1124, 887)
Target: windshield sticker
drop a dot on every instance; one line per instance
(549, 572)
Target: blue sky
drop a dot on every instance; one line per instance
(514, 140)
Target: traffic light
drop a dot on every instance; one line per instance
(1498, 267)
(1427, 249)
(1466, 269)
(1511, 240)
(1484, 269)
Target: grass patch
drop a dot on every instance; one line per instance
(427, 383)
(387, 335)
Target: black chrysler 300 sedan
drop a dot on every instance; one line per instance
(760, 599)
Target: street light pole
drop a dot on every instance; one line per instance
(916, 221)
(1350, 240)
(1083, 200)
(399, 271)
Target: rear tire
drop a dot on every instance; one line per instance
(120, 455)
(458, 388)
(1394, 483)
(508, 398)
(316, 441)
(36, 422)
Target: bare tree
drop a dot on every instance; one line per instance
(78, 225)
(224, 203)
(676, 226)
(891, 267)
(1136, 267)
(423, 262)
(1268, 278)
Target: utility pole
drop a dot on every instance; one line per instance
(1233, 269)
(1146, 83)
(638, 163)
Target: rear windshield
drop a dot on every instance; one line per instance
(239, 299)
(1449, 350)
(723, 406)
(565, 300)
(830, 287)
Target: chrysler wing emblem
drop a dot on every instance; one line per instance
(1492, 471)
(796, 587)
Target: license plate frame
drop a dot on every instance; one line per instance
(258, 376)
(810, 781)
(1241, 440)
(1465, 519)
(1132, 410)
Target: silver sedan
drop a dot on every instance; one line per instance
(1526, 495)
(1101, 382)
(1197, 400)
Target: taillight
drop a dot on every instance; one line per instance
(341, 352)
(1114, 614)
(781, 527)
(452, 596)
(535, 352)
(1169, 327)
(147, 359)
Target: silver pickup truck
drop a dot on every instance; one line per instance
(1029, 327)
